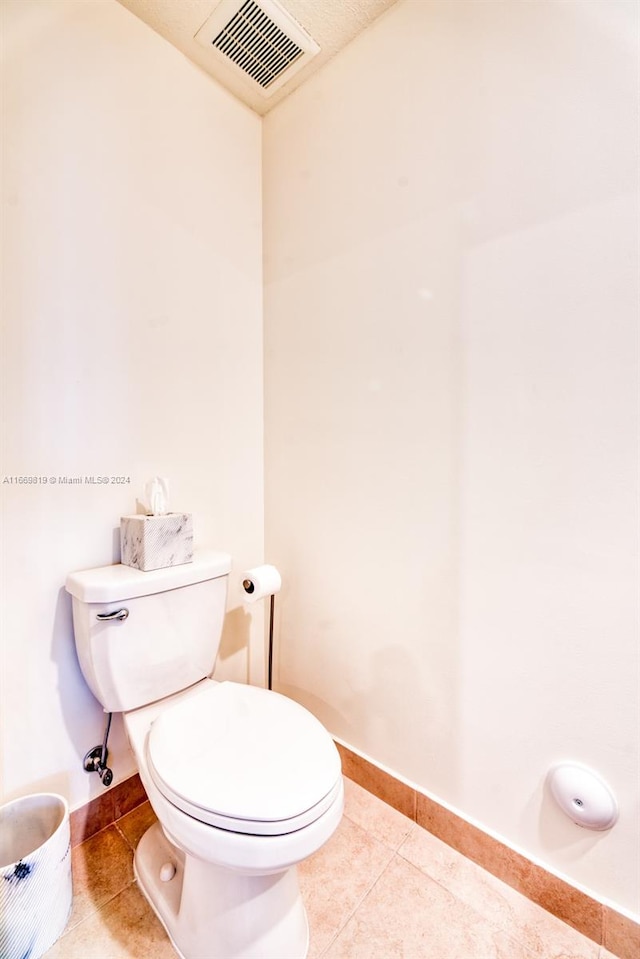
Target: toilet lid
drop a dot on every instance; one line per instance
(244, 759)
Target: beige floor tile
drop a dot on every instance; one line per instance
(409, 916)
(135, 824)
(101, 868)
(125, 928)
(364, 899)
(336, 879)
(544, 935)
(379, 819)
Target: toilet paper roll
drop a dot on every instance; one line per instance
(260, 582)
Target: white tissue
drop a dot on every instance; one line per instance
(260, 582)
(156, 496)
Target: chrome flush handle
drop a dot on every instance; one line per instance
(120, 614)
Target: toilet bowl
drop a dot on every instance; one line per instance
(245, 782)
(239, 806)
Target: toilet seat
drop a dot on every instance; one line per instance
(244, 759)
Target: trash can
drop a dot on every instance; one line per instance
(35, 874)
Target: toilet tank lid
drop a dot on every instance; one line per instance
(109, 584)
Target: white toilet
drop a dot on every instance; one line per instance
(245, 782)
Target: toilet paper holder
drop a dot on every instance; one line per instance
(257, 583)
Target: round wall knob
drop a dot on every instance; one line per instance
(583, 796)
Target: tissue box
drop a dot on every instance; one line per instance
(153, 542)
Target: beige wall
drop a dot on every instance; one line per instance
(132, 344)
(451, 434)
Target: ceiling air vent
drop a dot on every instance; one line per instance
(259, 39)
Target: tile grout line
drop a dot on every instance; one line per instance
(124, 836)
(484, 919)
(498, 925)
(94, 912)
(97, 908)
(393, 851)
(362, 898)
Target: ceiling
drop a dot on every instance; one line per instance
(331, 23)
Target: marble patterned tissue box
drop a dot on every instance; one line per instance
(153, 542)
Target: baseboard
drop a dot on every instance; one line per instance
(604, 925)
(102, 811)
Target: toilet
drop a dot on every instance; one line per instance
(245, 782)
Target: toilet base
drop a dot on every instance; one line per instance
(210, 912)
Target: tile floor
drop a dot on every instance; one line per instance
(381, 888)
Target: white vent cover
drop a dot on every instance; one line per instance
(258, 39)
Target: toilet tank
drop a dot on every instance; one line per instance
(165, 633)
